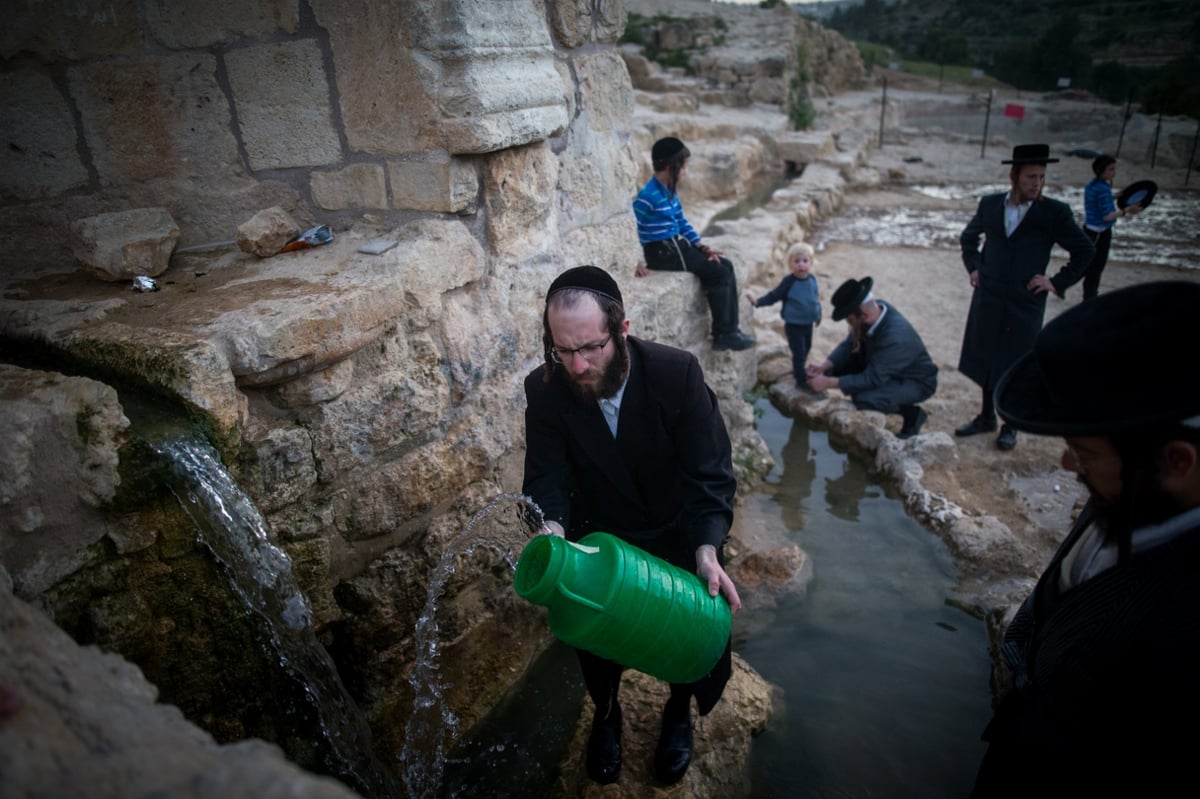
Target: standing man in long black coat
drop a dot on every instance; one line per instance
(1019, 229)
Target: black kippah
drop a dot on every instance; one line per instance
(588, 278)
(664, 149)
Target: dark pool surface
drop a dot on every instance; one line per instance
(885, 685)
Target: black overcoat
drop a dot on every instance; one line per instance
(1106, 689)
(668, 472)
(1005, 316)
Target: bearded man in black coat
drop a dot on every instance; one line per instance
(1104, 655)
(1019, 229)
(624, 436)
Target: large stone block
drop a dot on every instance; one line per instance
(447, 185)
(494, 66)
(70, 31)
(381, 82)
(151, 119)
(266, 233)
(41, 157)
(202, 24)
(58, 468)
(519, 191)
(91, 724)
(279, 87)
(358, 186)
(577, 22)
(125, 244)
(805, 147)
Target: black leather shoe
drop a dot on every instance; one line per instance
(1007, 438)
(737, 340)
(674, 752)
(603, 761)
(913, 426)
(980, 424)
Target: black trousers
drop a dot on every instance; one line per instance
(716, 277)
(1091, 276)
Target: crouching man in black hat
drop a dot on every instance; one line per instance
(1105, 653)
(623, 436)
(882, 365)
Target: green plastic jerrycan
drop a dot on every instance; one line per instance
(617, 601)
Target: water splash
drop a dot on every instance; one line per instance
(431, 722)
(260, 573)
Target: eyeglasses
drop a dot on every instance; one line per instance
(590, 352)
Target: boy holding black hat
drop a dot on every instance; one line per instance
(882, 365)
(1019, 229)
(1105, 653)
(670, 243)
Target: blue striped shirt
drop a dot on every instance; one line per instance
(1097, 204)
(660, 216)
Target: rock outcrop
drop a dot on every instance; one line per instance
(368, 402)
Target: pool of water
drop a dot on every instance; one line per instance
(884, 685)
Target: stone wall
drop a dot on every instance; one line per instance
(369, 404)
(215, 109)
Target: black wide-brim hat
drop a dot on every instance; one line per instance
(1031, 154)
(849, 296)
(1140, 192)
(1122, 362)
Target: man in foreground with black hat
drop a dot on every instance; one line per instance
(1105, 653)
(670, 243)
(1019, 229)
(882, 365)
(623, 436)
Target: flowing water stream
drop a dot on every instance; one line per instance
(260, 574)
(432, 723)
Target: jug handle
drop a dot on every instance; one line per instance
(569, 594)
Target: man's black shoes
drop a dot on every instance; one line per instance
(674, 752)
(1007, 438)
(737, 340)
(980, 424)
(914, 416)
(603, 759)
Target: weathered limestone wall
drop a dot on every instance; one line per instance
(369, 404)
(215, 109)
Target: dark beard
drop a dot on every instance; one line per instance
(1146, 505)
(610, 380)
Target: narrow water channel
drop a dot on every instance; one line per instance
(885, 685)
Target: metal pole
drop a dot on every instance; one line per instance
(986, 119)
(1192, 157)
(1124, 122)
(882, 111)
(1157, 129)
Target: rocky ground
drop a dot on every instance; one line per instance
(1026, 490)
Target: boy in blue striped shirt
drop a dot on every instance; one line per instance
(669, 242)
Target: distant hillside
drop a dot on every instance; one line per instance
(1130, 32)
(1144, 50)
